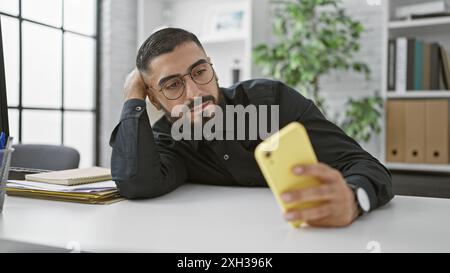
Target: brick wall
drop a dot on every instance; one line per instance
(339, 86)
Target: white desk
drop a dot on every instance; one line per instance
(197, 218)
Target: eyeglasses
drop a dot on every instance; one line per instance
(201, 74)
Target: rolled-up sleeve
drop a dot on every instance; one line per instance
(334, 148)
(143, 163)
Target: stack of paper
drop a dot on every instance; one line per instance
(93, 193)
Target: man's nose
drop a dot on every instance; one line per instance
(192, 89)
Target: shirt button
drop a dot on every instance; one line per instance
(138, 108)
(226, 157)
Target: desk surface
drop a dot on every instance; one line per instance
(197, 218)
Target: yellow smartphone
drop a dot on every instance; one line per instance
(277, 155)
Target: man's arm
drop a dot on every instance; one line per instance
(143, 165)
(334, 148)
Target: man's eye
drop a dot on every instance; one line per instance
(173, 85)
(199, 72)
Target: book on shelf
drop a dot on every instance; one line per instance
(391, 64)
(410, 62)
(400, 74)
(445, 57)
(414, 65)
(418, 65)
(435, 63)
(426, 66)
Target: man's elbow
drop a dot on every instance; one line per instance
(136, 190)
(385, 189)
(387, 195)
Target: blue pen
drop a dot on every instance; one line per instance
(2, 140)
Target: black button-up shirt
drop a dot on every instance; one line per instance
(147, 162)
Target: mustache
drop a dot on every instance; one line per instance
(203, 99)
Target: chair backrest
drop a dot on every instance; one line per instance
(47, 157)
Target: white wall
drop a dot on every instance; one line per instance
(118, 44)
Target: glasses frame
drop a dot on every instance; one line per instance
(184, 81)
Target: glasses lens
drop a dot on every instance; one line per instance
(173, 89)
(202, 73)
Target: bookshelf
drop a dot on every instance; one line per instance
(428, 30)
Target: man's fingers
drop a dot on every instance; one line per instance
(310, 214)
(134, 87)
(320, 170)
(324, 192)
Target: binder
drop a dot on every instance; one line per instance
(426, 66)
(435, 65)
(401, 65)
(437, 138)
(411, 64)
(418, 66)
(395, 131)
(391, 64)
(415, 140)
(445, 60)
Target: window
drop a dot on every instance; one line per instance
(51, 66)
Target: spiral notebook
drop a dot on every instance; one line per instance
(72, 177)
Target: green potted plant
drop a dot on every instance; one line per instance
(315, 37)
(362, 117)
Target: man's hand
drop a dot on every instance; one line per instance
(339, 207)
(134, 87)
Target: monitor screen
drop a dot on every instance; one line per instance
(4, 125)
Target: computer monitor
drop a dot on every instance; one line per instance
(4, 125)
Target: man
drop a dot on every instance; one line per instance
(173, 70)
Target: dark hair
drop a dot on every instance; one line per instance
(161, 42)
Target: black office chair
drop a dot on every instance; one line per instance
(45, 157)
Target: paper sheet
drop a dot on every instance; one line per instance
(85, 188)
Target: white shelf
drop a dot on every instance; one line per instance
(419, 23)
(418, 167)
(418, 94)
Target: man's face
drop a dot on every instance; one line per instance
(187, 61)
